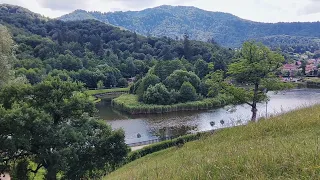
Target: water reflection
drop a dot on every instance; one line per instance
(179, 123)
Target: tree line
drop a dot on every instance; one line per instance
(90, 51)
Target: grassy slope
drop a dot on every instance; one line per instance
(284, 147)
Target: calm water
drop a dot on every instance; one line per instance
(180, 123)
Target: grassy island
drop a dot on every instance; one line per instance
(129, 103)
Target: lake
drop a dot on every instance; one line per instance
(180, 123)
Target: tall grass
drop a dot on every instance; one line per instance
(283, 147)
(102, 91)
(129, 103)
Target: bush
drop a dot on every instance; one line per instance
(149, 80)
(122, 82)
(187, 92)
(163, 145)
(157, 94)
(178, 77)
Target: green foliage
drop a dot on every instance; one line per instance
(101, 91)
(6, 57)
(213, 81)
(123, 82)
(21, 170)
(223, 28)
(130, 103)
(161, 146)
(100, 85)
(188, 92)
(157, 94)
(202, 68)
(33, 75)
(149, 80)
(90, 51)
(178, 77)
(256, 65)
(52, 124)
(164, 68)
(292, 43)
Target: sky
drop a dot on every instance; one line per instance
(255, 10)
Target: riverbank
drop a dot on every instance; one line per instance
(129, 103)
(283, 147)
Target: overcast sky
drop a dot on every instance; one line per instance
(256, 10)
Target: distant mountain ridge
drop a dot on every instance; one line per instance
(13, 9)
(174, 21)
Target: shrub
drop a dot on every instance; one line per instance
(149, 80)
(157, 94)
(122, 82)
(178, 77)
(187, 92)
(163, 145)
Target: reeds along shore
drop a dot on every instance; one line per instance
(129, 103)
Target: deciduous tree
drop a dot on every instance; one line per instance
(255, 66)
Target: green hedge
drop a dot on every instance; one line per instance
(129, 103)
(163, 145)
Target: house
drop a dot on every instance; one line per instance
(289, 67)
(311, 61)
(289, 70)
(310, 68)
(131, 80)
(298, 63)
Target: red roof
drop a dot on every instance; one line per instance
(311, 61)
(289, 67)
(310, 68)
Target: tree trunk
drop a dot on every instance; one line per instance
(51, 174)
(254, 109)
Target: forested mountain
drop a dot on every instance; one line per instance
(292, 44)
(91, 51)
(174, 21)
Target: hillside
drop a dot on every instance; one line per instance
(284, 147)
(18, 11)
(90, 51)
(174, 21)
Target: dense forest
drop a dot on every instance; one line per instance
(292, 44)
(93, 52)
(175, 21)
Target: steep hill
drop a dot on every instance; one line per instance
(284, 147)
(174, 21)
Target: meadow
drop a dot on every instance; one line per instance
(283, 147)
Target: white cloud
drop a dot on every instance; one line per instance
(313, 7)
(256, 10)
(62, 4)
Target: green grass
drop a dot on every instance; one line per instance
(101, 91)
(312, 79)
(284, 147)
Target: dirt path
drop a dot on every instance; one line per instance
(138, 147)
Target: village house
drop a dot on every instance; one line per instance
(290, 69)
